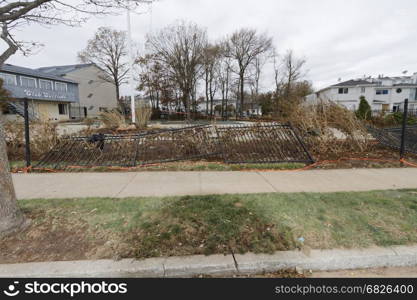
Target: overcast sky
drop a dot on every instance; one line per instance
(338, 38)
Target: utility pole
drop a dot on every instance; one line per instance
(131, 63)
(131, 81)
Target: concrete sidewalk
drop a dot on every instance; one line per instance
(134, 184)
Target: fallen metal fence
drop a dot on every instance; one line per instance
(262, 143)
(259, 143)
(391, 137)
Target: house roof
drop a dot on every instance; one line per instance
(63, 70)
(32, 72)
(406, 84)
(353, 82)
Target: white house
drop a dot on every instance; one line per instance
(382, 93)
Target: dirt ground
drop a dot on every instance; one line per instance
(376, 157)
(393, 272)
(52, 239)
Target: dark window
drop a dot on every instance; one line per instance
(382, 92)
(343, 90)
(62, 108)
(399, 91)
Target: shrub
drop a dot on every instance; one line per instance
(112, 119)
(43, 136)
(364, 110)
(329, 128)
(397, 119)
(143, 115)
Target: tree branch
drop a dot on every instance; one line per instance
(5, 36)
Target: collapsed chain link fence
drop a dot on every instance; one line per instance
(259, 143)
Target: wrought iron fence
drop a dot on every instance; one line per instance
(391, 137)
(259, 143)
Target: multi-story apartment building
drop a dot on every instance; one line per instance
(382, 93)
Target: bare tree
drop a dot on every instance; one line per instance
(19, 13)
(108, 51)
(211, 57)
(292, 71)
(277, 65)
(224, 74)
(244, 46)
(258, 65)
(179, 48)
(154, 81)
(290, 89)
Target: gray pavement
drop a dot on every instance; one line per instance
(135, 184)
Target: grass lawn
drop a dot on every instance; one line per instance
(146, 227)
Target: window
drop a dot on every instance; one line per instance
(8, 79)
(46, 84)
(399, 91)
(363, 90)
(28, 82)
(343, 90)
(382, 92)
(60, 87)
(62, 108)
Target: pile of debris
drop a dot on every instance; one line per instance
(257, 143)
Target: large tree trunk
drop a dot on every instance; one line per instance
(242, 95)
(207, 94)
(11, 218)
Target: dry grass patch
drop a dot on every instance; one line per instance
(208, 225)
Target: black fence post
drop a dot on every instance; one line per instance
(27, 136)
(403, 132)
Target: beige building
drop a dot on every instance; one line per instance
(95, 94)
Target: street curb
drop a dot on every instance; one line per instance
(221, 265)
